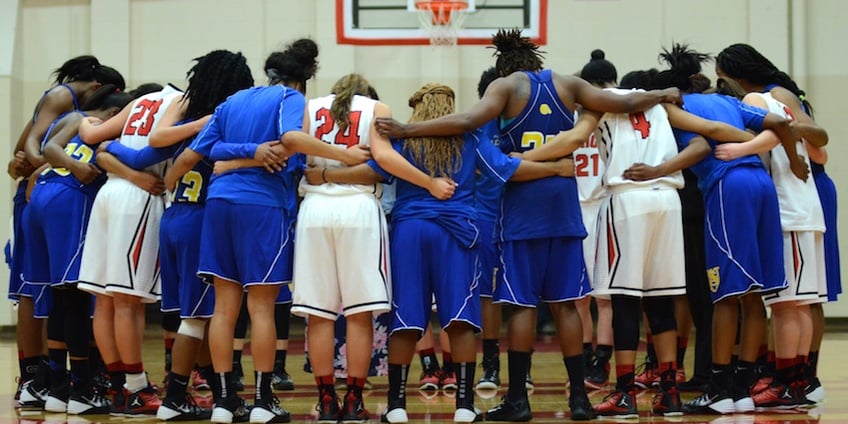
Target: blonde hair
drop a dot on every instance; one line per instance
(344, 89)
(440, 156)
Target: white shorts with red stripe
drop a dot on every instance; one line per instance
(121, 251)
(640, 244)
(341, 256)
(803, 260)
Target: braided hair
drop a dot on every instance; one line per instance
(685, 64)
(296, 64)
(87, 68)
(345, 88)
(515, 53)
(741, 61)
(439, 156)
(214, 77)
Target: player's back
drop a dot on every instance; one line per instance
(643, 137)
(145, 114)
(325, 128)
(800, 206)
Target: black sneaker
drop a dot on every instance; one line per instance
(581, 408)
(57, 397)
(91, 403)
(231, 410)
(667, 403)
(32, 395)
(119, 402)
(328, 408)
(598, 375)
(269, 411)
(185, 409)
(510, 411)
(491, 379)
(20, 383)
(282, 381)
(353, 410)
(711, 402)
(238, 377)
(694, 384)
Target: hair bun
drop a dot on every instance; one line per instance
(304, 50)
(597, 54)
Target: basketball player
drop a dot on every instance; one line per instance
(246, 232)
(757, 263)
(444, 231)
(121, 254)
(755, 73)
(76, 81)
(558, 275)
(214, 77)
(59, 207)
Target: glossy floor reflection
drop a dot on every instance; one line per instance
(548, 399)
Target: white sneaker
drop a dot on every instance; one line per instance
(744, 405)
(465, 415)
(397, 415)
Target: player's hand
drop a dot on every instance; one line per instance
(149, 183)
(565, 167)
(102, 147)
(672, 95)
(728, 151)
(170, 180)
(19, 166)
(356, 155)
(800, 168)
(641, 172)
(93, 120)
(313, 175)
(442, 188)
(272, 154)
(85, 172)
(391, 128)
(224, 166)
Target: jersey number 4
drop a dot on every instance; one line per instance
(641, 124)
(141, 121)
(349, 137)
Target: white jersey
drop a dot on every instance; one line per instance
(323, 127)
(800, 206)
(588, 169)
(145, 114)
(644, 137)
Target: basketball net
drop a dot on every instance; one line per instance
(442, 20)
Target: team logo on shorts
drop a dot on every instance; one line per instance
(713, 278)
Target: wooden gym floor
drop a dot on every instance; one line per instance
(548, 400)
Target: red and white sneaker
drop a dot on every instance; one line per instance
(143, 402)
(198, 382)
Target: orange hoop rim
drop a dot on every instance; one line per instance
(441, 5)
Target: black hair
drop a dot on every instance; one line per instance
(729, 87)
(88, 68)
(515, 53)
(638, 79)
(146, 88)
(117, 99)
(486, 78)
(296, 64)
(599, 71)
(214, 77)
(741, 61)
(372, 93)
(684, 63)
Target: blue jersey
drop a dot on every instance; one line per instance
(725, 109)
(457, 214)
(245, 120)
(548, 207)
(81, 152)
(38, 106)
(487, 198)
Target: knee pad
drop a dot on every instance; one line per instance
(171, 321)
(660, 313)
(626, 315)
(192, 327)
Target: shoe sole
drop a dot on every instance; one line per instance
(724, 406)
(744, 405)
(816, 395)
(487, 385)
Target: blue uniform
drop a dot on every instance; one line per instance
(487, 201)
(744, 249)
(541, 225)
(247, 231)
(827, 195)
(445, 236)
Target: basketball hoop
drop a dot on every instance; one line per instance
(442, 19)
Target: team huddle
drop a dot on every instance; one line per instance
(652, 196)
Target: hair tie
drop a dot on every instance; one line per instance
(801, 98)
(272, 74)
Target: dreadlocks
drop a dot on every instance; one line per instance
(88, 68)
(214, 77)
(684, 63)
(741, 61)
(440, 156)
(344, 89)
(515, 53)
